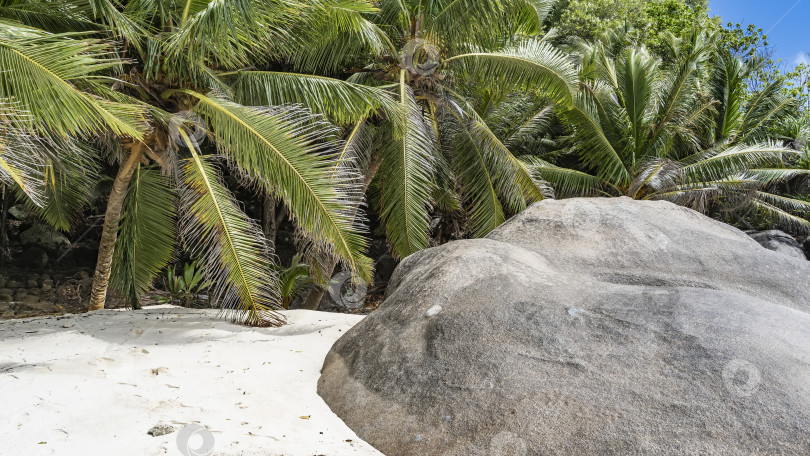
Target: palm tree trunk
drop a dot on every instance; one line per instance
(313, 299)
(5, 254)
(272, 217)
(106, 248)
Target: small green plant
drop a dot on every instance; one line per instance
(187, 286)
(292, 280)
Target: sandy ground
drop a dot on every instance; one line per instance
(95, 384)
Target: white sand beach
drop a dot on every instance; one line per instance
(95, 384)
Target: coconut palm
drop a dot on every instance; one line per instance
(125, 74)
(440, 61)
(648, 131)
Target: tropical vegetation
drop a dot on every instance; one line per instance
(686, 132)
(422, 117)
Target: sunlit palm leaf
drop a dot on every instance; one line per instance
(531, 65)
(767, 107)
(229, 33)
(22, 159)
(229, 245)
(592, 143)
(337, 24)
(289, 152)
(718, 165)
(39, 75)
(341, 101)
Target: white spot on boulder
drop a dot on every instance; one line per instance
(433, 311)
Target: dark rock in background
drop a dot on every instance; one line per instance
(779, 241)
(45, 237)
(34, 257)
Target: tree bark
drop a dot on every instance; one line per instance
(5, 254)
(106, 248)
(315, 295)
(272, 217)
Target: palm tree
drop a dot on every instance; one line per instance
(648, 131)
(439, 60)
(58, 63)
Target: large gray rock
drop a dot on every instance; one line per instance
(45, 237)
(779, 241)
(584, 326)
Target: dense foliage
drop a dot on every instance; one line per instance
(426, 112)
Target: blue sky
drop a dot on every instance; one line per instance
(786, 21)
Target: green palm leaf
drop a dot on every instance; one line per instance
(780, 209)
(474, 163)
(718, 165)
(287, 152)
(728, 86)
(407, 178)
(343, 102)
(592, 143)
(229, 245)
(566, 182)
(767, 107)
(39, 74)
(22, 161)
(531, 65)
(69, 182)
(146, 234)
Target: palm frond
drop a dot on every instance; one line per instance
(476, 179)
(567, 183)
(343, 102)
(230, 246)
(121, 26)
(592, 142)
(22, 161)
(40, 74)
(228, 34)
(70, 177)
(336, 35)
(774, 207)
(727, 193)
(290, 153)
(531, 65)
(637, 74)
(54, 17)
(407, 179)
(766, 108)
(485, 24)
(716, 165)
(728, 87)
(534, 125)
(770, 176)
(146, 234)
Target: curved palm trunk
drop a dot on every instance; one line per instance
(106, 248)
(314, 297)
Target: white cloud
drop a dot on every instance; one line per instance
(802, 57)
